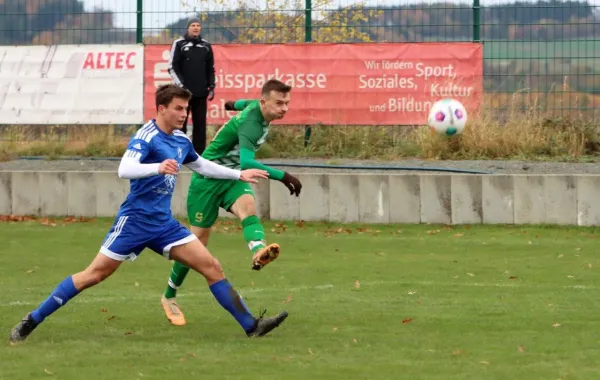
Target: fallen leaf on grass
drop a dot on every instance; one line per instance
(48, 222)
(184, 358)
(16, 218)
(556, 325)
(335, 329)
(128, 333)
(410, 292)
(512, 277)
(471, 274)
(104, 310)
(111, 318)
(356, 284)
(71, 219)
(433, 232)
(355, 341)
(407, 320)
(288, 300)
(521, 349)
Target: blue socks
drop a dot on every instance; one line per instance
(59, 297)
(227, 297)
(231, 301)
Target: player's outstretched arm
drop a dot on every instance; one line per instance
(210, 169)
(131, 168)
(247, 161)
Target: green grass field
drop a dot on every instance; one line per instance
(365, 302)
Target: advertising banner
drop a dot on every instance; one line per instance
(339, 84)
(71, 84)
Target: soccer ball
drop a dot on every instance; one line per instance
(447, 117)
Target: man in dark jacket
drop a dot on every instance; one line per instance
(192, 66)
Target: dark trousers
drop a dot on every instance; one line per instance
(198, 106)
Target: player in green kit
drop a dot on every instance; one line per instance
(234, 146)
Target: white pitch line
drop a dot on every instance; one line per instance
(409, 286)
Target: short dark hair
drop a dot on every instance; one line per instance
(165, 94)
(275, 85)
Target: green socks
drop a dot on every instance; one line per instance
(254, 233)
(178, 273)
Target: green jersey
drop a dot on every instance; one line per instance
(246, 130)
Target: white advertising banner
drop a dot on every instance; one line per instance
(71, 84)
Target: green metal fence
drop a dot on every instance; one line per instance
(537, 54)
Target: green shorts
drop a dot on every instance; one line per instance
(206, 195)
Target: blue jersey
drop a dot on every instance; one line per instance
(149, 199)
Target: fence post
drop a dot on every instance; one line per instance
(307, 38)
(140, 22)
(139, 34)
(476, 21)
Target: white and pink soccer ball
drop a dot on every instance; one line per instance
(447, 117)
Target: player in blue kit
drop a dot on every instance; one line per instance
(152, 160)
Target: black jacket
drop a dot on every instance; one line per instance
(192, 65)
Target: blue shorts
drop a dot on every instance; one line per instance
(128, 237)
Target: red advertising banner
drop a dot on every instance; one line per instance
(352, 84)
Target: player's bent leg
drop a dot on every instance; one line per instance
(254, 233)
(179, 271)
(195, 255)
(202, 233)
(202, 211)
(101, 268)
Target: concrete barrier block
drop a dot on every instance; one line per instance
(560, 199)
(5, 193)
(405, 198)
(283, 205)
(530, 205)
(497, 193)
(343, 198)
(82, 194)
(436, 200)
(54, 194)
(466, 199)
(314, 198)
(262, 198)
(588, 207)
(25, 193)
(111, 191)
(374, 198)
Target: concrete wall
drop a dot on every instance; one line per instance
(365, 198)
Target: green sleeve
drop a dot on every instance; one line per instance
(240, 104)
(247, 161)
(249, 132)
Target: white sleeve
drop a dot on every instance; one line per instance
(131, 168)
(210, 169)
